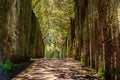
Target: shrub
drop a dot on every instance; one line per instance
(101, 73)
(8, 67)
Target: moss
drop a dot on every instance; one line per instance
(82, 61)
(101, 73)
(93, 70)
(36, 40)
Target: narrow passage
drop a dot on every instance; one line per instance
(56, 69)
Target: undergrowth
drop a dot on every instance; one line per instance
(7, 67)
(100, 72)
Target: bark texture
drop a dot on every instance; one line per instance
(95, 36)
(15, 31)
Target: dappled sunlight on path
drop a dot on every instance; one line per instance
(56, 69)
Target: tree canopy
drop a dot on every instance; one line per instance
(54, 20)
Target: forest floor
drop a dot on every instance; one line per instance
(56, 69)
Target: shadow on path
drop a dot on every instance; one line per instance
(56, 69)
(21, 68)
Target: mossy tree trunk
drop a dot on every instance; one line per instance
(15, 29)
(37, 47)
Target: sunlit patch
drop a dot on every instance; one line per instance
(56, 69)
(54, 20)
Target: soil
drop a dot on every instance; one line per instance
(53, 69)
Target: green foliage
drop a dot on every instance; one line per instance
(101, 73)
(8, 67)
(82, 61)
(93, 70)
(54, 18)
(53, 54)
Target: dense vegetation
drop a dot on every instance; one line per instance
(95, 36)
(86, 30)
(54, 19)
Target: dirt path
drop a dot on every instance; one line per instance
(56, 69)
